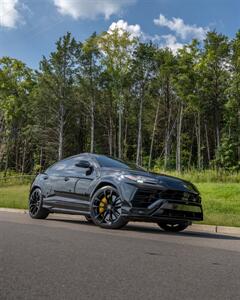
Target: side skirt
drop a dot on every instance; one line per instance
(66, 211)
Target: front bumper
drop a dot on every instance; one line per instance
(168, 209)
(155, 204)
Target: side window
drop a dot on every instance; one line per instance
(59, 166)
(68, 166)
(63, 165)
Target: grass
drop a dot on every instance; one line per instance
(14, 196)
(197, 176)
(221, 201)
(15, 180)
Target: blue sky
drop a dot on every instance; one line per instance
(29, 28)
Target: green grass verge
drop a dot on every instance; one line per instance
(221, 201)
(14, 196)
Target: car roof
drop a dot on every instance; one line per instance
(90, 155)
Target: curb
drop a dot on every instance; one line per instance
(216, 229)
(14, 210)
(195, 227)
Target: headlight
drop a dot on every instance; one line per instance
(141, 179)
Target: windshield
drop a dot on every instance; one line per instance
(108, 162)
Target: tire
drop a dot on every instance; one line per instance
(89, 219)
(36, 211)
(173, 227)
(106, 208)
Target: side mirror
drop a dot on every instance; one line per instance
(83, 164)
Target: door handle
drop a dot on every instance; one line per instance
(66, 178)
(45, 177)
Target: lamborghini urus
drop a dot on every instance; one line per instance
(111, 192)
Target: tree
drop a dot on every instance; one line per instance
(56, 82)
(143, 73)
(215, 75)
(232, 108)
(113, 94)
(187, 88)
(16, 85)
(166, 64)
(89, 77)
(117, 47)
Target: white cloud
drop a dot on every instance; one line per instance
(181, 29)
(170, 41)
(121, 25)
(90, 9)
(164, 41)
(9, 15)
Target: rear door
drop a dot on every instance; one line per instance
(83, 185)
(61, 183)
(73, 187)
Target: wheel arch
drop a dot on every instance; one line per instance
(102, 184)
(34, 188)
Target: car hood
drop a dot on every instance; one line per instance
(166, 181)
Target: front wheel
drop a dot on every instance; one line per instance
(36, 211)
(173, 227)
(106, 208)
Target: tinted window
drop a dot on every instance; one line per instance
(66, 164)
(108, 162)
(61, 165)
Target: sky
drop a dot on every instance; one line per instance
(30, 28)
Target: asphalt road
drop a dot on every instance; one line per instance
(63, 257)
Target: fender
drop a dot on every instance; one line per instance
(103, 182)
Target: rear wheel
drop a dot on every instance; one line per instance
(173, 227)
(36, 211)
(106, 208)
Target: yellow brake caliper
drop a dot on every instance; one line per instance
(102, 205)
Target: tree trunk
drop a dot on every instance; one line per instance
(41, 157)
(125, 139)
(207, 143)
(16, 154)
(92, 125)
(24, 156)
(60, 132)
(217, 135)
(198, 135)
(120, 131)
(179, 131)
(110, 137)
(139, 140)
(238, 135)
(190, 156)
(166, 141)
(153, 134)
(7, 157)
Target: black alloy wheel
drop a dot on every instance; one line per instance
(36, 211)
(106, 208)
(173, 227)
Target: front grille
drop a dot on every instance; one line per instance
(178, 195)
(144, 198)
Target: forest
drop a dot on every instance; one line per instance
(116, 95)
